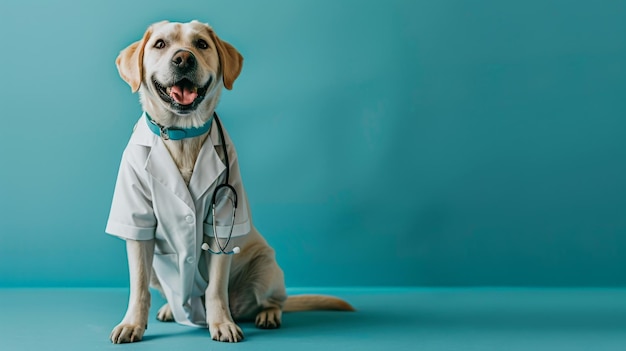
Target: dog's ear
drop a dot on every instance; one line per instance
(231, 60)
(130, 62)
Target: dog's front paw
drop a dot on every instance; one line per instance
(126, 332)
(226, 331)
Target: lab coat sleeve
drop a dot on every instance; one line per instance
(242, 225)
(132, 215)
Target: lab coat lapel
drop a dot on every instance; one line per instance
(163, 170)
(208, 166)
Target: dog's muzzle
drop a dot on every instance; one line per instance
(184, 61)
(184, 95)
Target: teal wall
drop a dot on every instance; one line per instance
(444, 142)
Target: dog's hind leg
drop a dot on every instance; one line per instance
(271, 298)
(165, 312)
(258, 290)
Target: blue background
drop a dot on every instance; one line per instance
(395, 143)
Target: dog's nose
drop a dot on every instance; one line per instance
(184, 60)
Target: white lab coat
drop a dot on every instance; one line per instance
(151, 201)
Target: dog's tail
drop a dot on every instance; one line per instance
(315, 303)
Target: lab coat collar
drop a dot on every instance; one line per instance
(208, 166)
(162, 168)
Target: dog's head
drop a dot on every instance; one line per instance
(179, 68)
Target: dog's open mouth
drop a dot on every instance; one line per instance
(184, 95)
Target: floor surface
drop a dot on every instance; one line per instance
(387, 319)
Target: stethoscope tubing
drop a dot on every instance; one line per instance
(225, 185)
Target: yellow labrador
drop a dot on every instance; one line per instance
(179, 70)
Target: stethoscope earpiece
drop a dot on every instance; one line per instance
(235, 251)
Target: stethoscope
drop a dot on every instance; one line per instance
(233, 199)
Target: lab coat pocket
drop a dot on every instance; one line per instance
(163, 247)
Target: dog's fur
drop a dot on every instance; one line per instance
(249, 285)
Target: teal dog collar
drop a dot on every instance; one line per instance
(174, 133)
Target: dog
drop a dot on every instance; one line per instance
(161, 199)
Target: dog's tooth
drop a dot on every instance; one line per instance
(168, 90)
(194, 90)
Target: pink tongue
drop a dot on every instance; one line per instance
(183, 96)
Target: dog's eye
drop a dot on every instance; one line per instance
(202, 44)
(159, 44)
